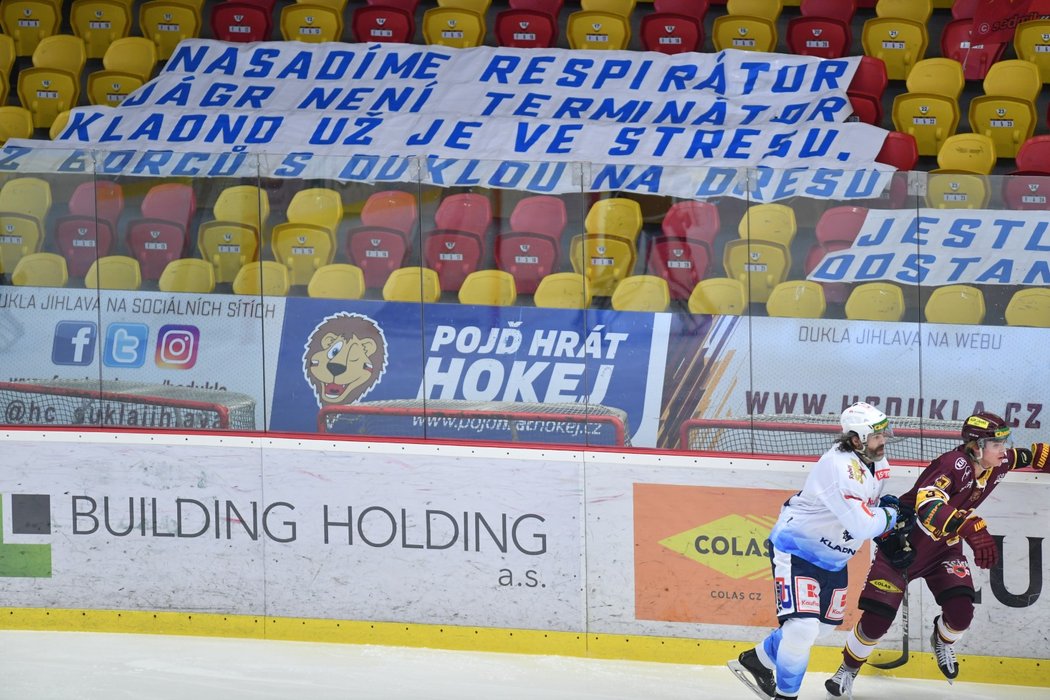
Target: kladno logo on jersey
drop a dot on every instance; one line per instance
(74, 343)
(20, 555)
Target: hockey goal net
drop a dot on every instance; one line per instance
(914, 439)
(497, 421)
(113, 404)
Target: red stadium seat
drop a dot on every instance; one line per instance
(391, 209)
(1034, 155)
(409, 6)
(697, 9)
(101, 198)
(842, 10)
(818, 36)
(671, 33)
(377, 251)
(526, 29)
(976, 59)
(550, 7)
(870, 78)
(171, 202)
(155, 243)
(899, 150)
(539, 213)
(834, 292)
(528, 257)
(1026, 191)
(383, 24)
(681, 262)
(464, 212)
(453, 255)
(964, 9)
(692, 220)
(81, 240)
(866, 108)
(240, 22)
(840, 224)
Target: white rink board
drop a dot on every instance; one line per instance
(556, 573)
(387, 569)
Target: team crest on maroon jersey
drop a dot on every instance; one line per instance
(958, 567)
(961, 463)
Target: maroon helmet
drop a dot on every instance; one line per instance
(985, 426)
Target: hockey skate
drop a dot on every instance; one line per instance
(945, 654)
(754, 675)
(841, 684)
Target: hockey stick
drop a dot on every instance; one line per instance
(903, 658)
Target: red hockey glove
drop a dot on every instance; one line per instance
(975, 532)
(1040, 455)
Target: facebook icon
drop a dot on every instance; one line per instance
(74, 343)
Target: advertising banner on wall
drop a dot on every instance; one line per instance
(198, 343)
(334, 534)
(341, 354)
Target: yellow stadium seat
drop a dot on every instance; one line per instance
(188, 275)
(318, 206)
(1006, 121)
(563, 290)
(111, 89)
(971, 153)
(875, 301)
(228, 247)
(415, 284)
(796, 299)
(598, 31)
(46, 92)
(642, 293)
(133, 55)
(479, 6)
(766, 9)
(1013, 78)
(40, 270)
(1032, 43)
(899, 43)
(759, 265)
(915, 10)
(957, 191)
(15, 123)
(30, 196)
(604, 260)
(311, 23)
(337, 281)
(7, 62)
(302, 248)
(769, 222)
(718, 296)
(20, 235)
(243, 204)
(616, 216)
(57, 126)
(1029, 307)
(114, 272)
(939, 76)
(99, 23)
(955, 303)
(612, 7)
(744, 33)
(62, 51)
(930, 118)
(167, 22)
(29, 21)
(265, 278)
(337, 5)
(454, 27)
(488, 288)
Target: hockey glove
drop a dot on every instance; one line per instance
(892, 504)
(1038, 457)
(894, 544)
(1041, 455)
(975, 532)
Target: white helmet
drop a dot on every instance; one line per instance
(864, 419)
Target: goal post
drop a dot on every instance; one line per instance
(914, 439)
(489, 421)
(115, 404)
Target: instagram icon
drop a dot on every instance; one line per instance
(177, 347)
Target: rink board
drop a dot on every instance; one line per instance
(615, 555)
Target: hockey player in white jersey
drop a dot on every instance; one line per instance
(819, 529)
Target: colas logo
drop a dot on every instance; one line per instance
(735, 545)
(345, 357)
(30, 515)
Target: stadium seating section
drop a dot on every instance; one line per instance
(959, 109)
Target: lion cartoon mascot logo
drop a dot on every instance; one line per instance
(345, 357)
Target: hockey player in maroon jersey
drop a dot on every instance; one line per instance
(944, 499)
